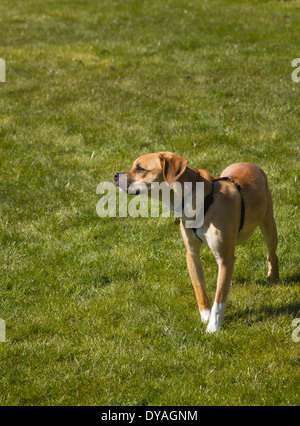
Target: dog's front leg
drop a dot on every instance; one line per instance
(196, 271)
(223, 286)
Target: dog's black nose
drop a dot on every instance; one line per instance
(116, 177)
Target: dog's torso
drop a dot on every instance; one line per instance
(223, 215)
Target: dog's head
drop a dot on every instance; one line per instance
(158, 167)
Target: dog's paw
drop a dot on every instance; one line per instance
(210, 329)
(213, 327)
(216, 317)
(205, 316)
(273, 279)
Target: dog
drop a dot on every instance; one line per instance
(235, 204)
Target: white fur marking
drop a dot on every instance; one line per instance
(216, 317)
(205, 315)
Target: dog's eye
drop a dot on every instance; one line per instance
(139, 169)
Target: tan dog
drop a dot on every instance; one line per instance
(235, 207)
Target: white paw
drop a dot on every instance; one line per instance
(216, 317)
(205, 315)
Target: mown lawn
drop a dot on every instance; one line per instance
(102, 311)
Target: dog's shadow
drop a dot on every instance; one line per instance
(264, 282)
(294, 278)
(256, 315)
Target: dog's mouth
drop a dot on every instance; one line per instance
(137, 191)
(125, 183)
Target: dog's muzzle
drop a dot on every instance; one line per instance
(121, 181)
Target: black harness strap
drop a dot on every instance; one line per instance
(209, 199)
(242, 198)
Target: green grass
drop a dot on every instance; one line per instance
(102, 311)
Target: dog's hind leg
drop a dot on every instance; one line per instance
(269, 231)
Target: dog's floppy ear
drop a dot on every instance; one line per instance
(173, 166)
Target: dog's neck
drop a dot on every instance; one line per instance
(192, 176)
(198, 175)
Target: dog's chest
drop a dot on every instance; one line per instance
(201, 233)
